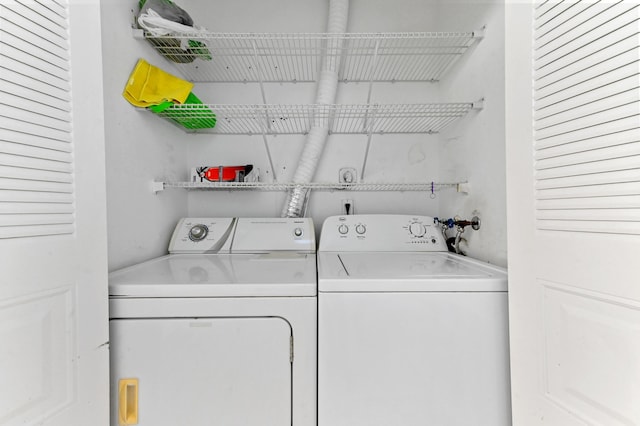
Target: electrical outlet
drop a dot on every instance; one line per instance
(347, 207)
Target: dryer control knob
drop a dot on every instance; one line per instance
(360, 229)
(417, 229)
(198, 232)
(297, 232)
(343, 229)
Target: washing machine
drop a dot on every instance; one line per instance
(408, 333)
(221, 331)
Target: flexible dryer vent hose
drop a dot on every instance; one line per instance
(326, 95)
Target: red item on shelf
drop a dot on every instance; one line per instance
(224, 173)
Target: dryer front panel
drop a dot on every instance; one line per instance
(197, 372)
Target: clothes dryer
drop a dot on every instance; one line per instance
(222, 330)
(409, 334)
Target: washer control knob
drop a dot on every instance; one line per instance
(343, 229)
(198, 232)
(361, 229)
(433, 240)
(417, 229)
(297, 232)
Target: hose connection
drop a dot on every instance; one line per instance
(453, 243)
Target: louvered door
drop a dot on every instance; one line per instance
(36, 170)
(573, 153)
(53, 289)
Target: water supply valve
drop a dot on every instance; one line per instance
(456, 222)
(453, 243)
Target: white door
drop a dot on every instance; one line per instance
(53, 286)
(573, 178)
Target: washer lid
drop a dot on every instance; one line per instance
(406, 272)
(231, 275)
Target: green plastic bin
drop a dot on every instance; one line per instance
(192, 114)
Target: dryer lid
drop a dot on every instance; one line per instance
(406, 272)
(237, 275)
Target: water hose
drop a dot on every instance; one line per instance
(326, 95)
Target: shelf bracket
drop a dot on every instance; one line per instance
(138, 33)
(479, 34)
(463, 188)
(157, 187)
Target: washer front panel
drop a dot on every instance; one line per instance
(408, 334)
(413, 359)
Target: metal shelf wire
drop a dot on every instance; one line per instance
(282, 57)
(285, 186)
(288, 57)
(338, 118)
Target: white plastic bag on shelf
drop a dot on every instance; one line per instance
(156, 25)
(167, 9)
(172, 31)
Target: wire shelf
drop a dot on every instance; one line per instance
(282, 57)
(337, 118)
(285, 186)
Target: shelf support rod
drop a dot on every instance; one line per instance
(374, 67)
(260, 80)
(369, 136)
(263, 127)
(368, 122)
(321, 186)
(266, 146)
(267, 125)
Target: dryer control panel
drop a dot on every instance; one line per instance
(381, 232)
(243, 235)
(202, 235)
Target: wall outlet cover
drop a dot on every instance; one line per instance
(348, 175)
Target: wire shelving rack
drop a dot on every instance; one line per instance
(337, 119)
(298, 57)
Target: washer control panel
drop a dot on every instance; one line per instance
(381, 232)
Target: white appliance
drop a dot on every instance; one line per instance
(222, 330)
(409, 334)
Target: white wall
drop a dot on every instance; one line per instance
(474, 149)
(393, 158)
(141, 147)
